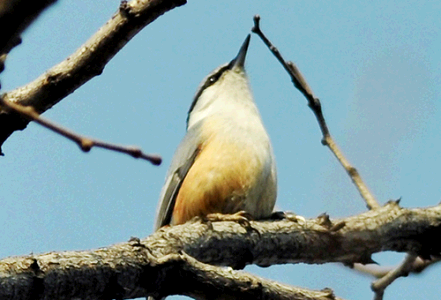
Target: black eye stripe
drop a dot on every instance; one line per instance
(215, 77)
(210, 81)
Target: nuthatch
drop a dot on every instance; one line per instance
(225, 163)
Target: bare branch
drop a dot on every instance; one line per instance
(387, 228)
(128, 268)
(202, 281)
(373, 270)
(84, 143)
(314, 103)
(402, 270)
(376, 271)
(88, 61)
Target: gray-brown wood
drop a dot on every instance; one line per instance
(149, 266)
(85, 63)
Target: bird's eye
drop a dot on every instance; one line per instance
(212, 79)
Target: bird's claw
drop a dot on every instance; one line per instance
(241, 217)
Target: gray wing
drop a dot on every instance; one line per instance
(182, 161)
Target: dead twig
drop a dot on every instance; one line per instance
(418, 266)
(314, 103)
(84, 143)
(403, 269)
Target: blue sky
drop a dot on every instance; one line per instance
(374, 66)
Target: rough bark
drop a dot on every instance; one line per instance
(146, 267)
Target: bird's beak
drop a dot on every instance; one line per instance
(239, 61)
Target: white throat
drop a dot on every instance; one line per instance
(230, 96)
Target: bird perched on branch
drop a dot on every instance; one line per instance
(225, 163)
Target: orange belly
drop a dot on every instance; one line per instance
(218, 182)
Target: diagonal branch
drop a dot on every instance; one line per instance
(314, 103)
(85, 144)
(203, 281)
(402, 270)
(87, 62)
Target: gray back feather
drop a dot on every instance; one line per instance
(183, 159)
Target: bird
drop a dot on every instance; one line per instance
(225, 163)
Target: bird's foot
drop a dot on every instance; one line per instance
(242, 217)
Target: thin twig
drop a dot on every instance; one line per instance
(376, 271)
(314, 103)
(403, 269)
(84, 143)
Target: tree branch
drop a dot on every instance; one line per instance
(203, 281)
(88, 61)
(376, 271)
(85, 144)
(128, 268)
(402, 270)
(314, 103)
(388, 228)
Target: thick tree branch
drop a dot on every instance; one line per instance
(314, 103)
(88, 61)
(314, 241)
(127, 268)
